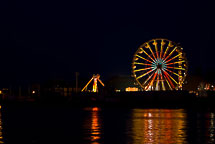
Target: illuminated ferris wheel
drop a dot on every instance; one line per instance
(159, 64)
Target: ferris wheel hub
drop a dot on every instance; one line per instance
(159, 66)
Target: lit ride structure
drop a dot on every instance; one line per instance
(95, 80)
(159, 64)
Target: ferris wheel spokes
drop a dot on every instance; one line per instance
(143, 69)
(142, 64)
(144, 59)
(151, 81)
(168, 80)
(170, 77)
(161, 51)
(148, 78)
(163, 87)
(170, 54)
(157, 82)
(148, 55)
(148, 46)
(173, 58)
(172, 72)
(145, 74)
(169, 45)
(176, 68)
(175, 62)
(156, 48)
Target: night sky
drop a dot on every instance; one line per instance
(54, 39)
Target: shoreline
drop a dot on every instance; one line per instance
(167, 99)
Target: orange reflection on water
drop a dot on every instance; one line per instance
(1, 137)
(164, 126)
(211, 128)
(93, 125)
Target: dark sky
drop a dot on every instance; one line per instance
(42, 39)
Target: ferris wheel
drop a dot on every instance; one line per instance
(159, 64)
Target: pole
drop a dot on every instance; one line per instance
(76, 75)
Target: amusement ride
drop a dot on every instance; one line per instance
(95, 80)
(159, 64)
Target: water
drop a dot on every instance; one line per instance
(94, 125)
(157, 126)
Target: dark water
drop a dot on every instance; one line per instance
(94, 125)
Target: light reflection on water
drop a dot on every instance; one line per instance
(1, 136)
(92, 125)
(151, 126)
(210, 123)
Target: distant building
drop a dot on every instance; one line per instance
(59, 87)
(191, 83)
(131, 89)
(122, 83)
